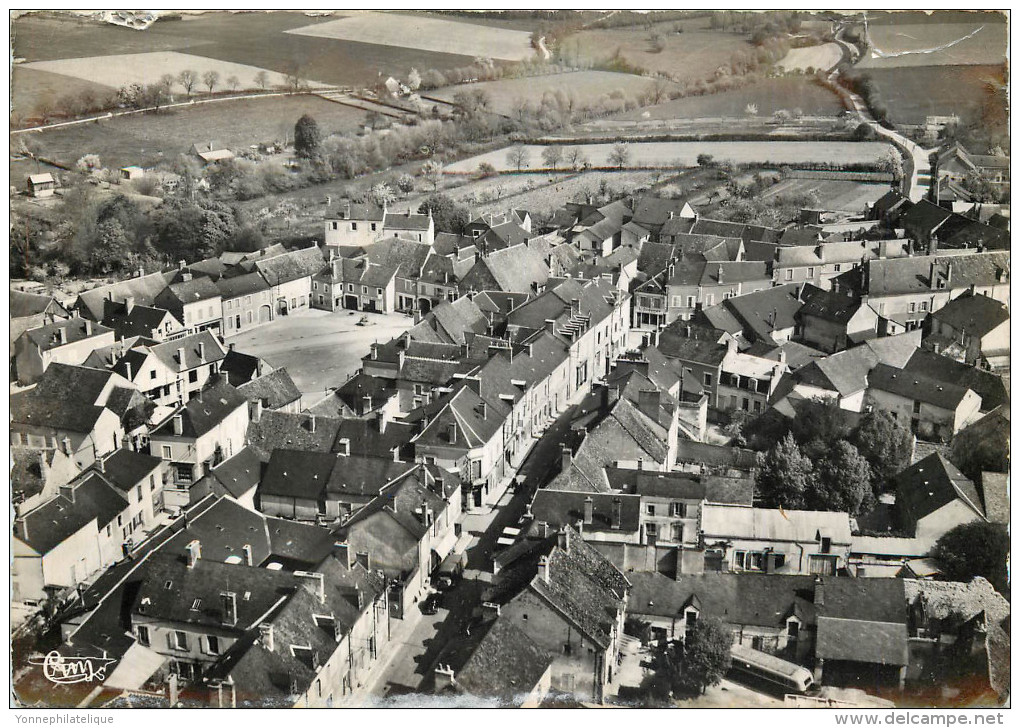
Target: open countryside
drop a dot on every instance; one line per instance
(685, 154)
(935, 44)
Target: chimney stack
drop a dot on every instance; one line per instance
(194, 550)
(819, 592)
(311, 423)
(381, 420)
(565, 458)
(617, 518)
(100, 465)
(201, 351)
(178, 424)
(66, 442)
(127, 366)
(564, 538)
(575, 306)
(589, 510)
(266, 635)
(44, 467)
(256, 410)
(933, 276)
(129, 304)
(249, 559)
(344, 554)
(343, 446)
(62, 335)
(180, 356)
(451, 433)
(720, 273)
(648, 403)
(543, 568)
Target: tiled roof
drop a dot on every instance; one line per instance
(275, 389)
(893, 276)
(770, 524)
(990, 387)
(240, 473)
(407, 221)
(205, 411)
(64, 399)
(515, 269)
(57, 519)
(830, 306)
(291, 266)
(168, 352)
(975, 314)
(241, 285)
(24, 304)
(565, 508)
(276, 430)
(197, 289)
(47, 337)
(464, 409)
(143, 290)
(689, 451)
(915, 386)
(931, 483)
(141, 321)
(239, 368)
(126, 468)
(859, 641)
(453, 319)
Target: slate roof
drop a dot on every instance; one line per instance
(275, 390)
(64, 399)
(765, 311)
(831, 306)
(47, 526)
(197, 289)
(126, 468)
(297, 474)
(464, 409)
(990, 387)
(916, 386)
(894, 276)
(276, 430)
(976, 314)
(242, 285)
(142, 320)
(565, 508)
(453, 319)
(204, 411)
(930, 484)
(47, 337)
(23, 304)
(143, 289)
(516, 269)
(855, 640)
(239, 368)
(168, 353)
(498, 661)
(769, 524)
(291, 266)
(366, 439)
(689, 451)
(698, 347)
(407, 221)
(238, 474)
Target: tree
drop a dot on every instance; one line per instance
(975, 549)
(659, 91)
(574, 157)
(699, 662)
(886, 444)
(783, 475)
(448, 216)
(187, 79)
(154, 96)
(841, 481)
(167, 81)
(233, 82)
(517, 157)
(382, 194)
(405, 183)
(88, 164)
(414, 79)
(112, 248)
(486, 170)
(307, 137)
(262, 80)
(705, 160)
(375, 119)
(620, 156)
(782, 116)
(552, 155)
(432, 171)
(210, 79)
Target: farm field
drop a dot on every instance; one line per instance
(824, 56)
(145, 139)
(146, 68)
(584, 86)
(912, 93)
(666, 155)
(928, 44)
(834, 194)
(425, 33)
(32, 88)
(769, 95)
(691, 56)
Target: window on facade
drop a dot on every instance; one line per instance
(792, 629)
(912, 307)
(138, 493)
(823, 565)
(354, 226)
(810, 272)
(789, 274)
(690, 302)
(924, 305)
(177, 640)
(250, 320)
(677, 301)
(152, 374)
(364, 289)
(650, 509)
(708, 379)
(917, 407)
(336, 225)
(373, 227)
(378, 291)
(193, 376)
(836, 267)
(678, 510)
(143, 635)
(212, 645)
(476, 469)
(109, 531)
(167, 452)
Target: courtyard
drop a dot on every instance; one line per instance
(320, 349)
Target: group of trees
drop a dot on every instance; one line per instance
(821, 461)
(975, 549)
(862, 84)
(688, 668)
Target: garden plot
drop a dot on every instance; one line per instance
(666, 155)
(428, 34)
(146, 68)
(833, 193)
(824, 57)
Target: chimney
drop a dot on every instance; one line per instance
(375, 352)
(800, 294)
(62, 335)
(564, 538)
(229, 608)
(543, 529)
(249, 559)
(617, 518)
(343, 446)
(451, 433)
(932, 273)
(311, 423)
(344, 554)
(180, 357)
(129, 304)
(320, 583)
(381, 421)
(100, 465)
(366, 406)
(550, 326)
(194, 550)
(127, 366)
(949, 274)
(443, 675)
(178, 424)
(66, 442)
(44, 467)
(481, 409)
(543, 568)
(266, 636)
(575, 306)
(589, 510)
(88, 327)
(201, 351)
(565, 457)
(648, 403)
(255, 410)
(819, 592)
(68, 492)
(719, 275)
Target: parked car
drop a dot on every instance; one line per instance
(431, 603)
(450, 570)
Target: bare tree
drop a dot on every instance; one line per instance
(659, 91)
(87, 99)
(210, 79)
(517, 157)
(187, 79)
(167, 81)
(233, 82)
(574, 157)
(432, 171)
(262, 80)
(552, 155)
(620, 156)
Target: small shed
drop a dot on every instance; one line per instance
(41, 185)
(131, 172)
(217, 155)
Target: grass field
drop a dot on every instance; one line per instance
(427, 34)
(770, 95)
(584, 86)
(824, 56)
(691, 56)
(684, 154)
(146, 139)
(912, 93)
(145, 68)
(31, 88)
(929, 44)
(835, 194)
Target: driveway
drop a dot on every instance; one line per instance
(320, 349)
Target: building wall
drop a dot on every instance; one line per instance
(33, 361)
(68, 563)
(201, 315)
(931, 422)
(245, 312)
(797, 554)
(352, 232)
(945, 519)
(228, 434)
(899, 305)
(295, 293)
